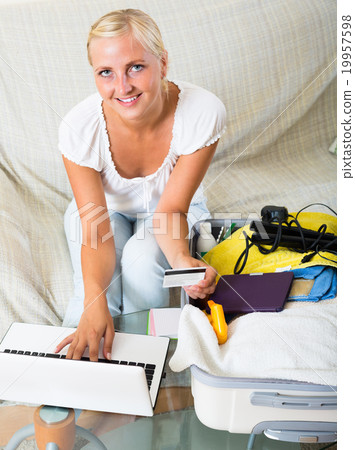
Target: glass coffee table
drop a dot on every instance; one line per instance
(174, 424)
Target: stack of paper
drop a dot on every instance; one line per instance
(164, 322)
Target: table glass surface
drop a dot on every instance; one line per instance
(174, 424)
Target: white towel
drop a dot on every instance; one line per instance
(297, 344)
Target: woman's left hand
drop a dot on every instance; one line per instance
(204, 287)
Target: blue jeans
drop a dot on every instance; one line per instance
(140, 264)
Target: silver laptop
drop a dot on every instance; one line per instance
(30, 372)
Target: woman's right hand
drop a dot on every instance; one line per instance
(96, 322)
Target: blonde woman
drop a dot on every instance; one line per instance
(135, 153)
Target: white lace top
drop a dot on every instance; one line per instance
(199, 121)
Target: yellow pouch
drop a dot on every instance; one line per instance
(224, 256)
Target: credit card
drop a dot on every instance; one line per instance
(183, 277)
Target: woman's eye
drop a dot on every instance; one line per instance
(136, 68)
(105, 73)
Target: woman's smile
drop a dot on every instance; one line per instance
(129, 101)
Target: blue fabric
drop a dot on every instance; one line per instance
(325, 283)
(308, 273)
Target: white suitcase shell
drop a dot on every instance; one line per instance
(284, 410)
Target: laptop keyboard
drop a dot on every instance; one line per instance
(148, 368)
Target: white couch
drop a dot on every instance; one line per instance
(271, 62)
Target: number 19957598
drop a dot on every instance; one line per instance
(346, 44)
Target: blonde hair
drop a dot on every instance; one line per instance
(132, 22)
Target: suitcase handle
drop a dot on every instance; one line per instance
(276, 400)
(309, 437)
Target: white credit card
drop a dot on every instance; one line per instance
(183, 277)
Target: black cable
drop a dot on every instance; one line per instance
(328, 259)
(275, 245)
(245, 253)
(300, 231)
(315, 245)
(321, 230)
(323, 249)
(318, 250)
(320, 204)
(308, 257)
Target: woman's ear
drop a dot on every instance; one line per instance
(164, 64)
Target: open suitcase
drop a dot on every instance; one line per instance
(284, 410)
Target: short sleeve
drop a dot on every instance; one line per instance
(200, 119)
(79, 135)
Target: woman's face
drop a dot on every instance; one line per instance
(127, 76)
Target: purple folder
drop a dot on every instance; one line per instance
(245, 293)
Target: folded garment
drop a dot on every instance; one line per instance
(325, 283)
(298, 344)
